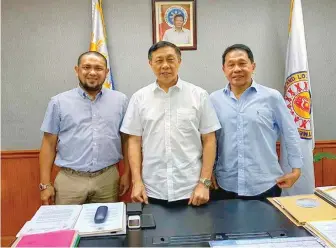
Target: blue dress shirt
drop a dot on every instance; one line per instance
(88, 131)
(247, 162)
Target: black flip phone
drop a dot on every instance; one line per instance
(147, 221)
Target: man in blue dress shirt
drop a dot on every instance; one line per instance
(252, 117)
(81, 135)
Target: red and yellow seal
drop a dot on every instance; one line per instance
(298, 100)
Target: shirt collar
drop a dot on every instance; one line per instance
(84, 95)
(178, 85)
(254, 86)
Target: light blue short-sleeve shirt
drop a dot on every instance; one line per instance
(88, 131)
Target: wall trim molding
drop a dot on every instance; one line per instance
(325, 144)
(19, 154)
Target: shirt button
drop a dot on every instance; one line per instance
(240, 156)
(239, 141)
(94, 144)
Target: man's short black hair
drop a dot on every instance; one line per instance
(98, 54)
(241, 47)
(161, 44)
(179, 15)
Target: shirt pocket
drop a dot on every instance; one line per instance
(265, 118)
(185, 119)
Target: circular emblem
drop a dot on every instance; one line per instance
(301, 105)
(298, 100)
(172, 11)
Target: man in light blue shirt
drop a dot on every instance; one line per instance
(252, 117)
(81, 135)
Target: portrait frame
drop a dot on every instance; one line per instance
(163, 12)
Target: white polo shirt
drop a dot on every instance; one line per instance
(171, 125)
(177, 37)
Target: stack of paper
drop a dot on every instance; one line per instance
(114, 224)
(327, 193)
(325, 230)
(299, 214)
(67, 238)
(77, 217)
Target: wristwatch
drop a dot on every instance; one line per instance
(44, 186)
(206, 182)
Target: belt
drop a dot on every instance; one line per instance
(86, 173)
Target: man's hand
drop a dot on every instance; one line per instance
(48, 196)
(139, 193)
(200, 195)
(124, 183)
(214, 184)
(287, 180)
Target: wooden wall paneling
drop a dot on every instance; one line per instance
(7, 241)
(20, 197)
(19, 192)
(329, 168)
(318, 169)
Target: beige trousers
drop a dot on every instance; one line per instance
(72, 188)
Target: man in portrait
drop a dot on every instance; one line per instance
(178, 34)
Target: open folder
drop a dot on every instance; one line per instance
(327, 193)
(77, 217)
(325, 230)
(299, 215)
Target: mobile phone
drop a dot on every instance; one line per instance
(134, 222)
(101, 214)
(147, 221)
(134, 208)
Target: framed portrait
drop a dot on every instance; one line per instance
(175, 21)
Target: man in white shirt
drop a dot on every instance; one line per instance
(177, 35)
(172, 143)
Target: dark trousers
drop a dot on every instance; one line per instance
(183, 202)
(221, 194)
